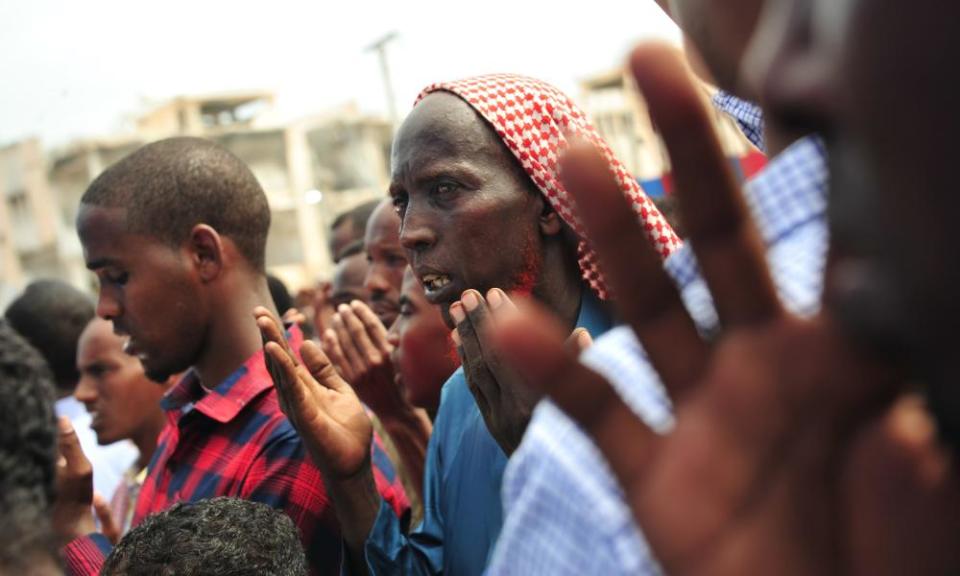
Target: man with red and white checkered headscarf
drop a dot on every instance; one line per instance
(476, 181)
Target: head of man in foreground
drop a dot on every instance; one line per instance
(28, 455)
(216, 537)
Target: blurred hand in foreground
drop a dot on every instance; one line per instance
(792, 452)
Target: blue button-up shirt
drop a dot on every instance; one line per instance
(565, 511)
(462, 510)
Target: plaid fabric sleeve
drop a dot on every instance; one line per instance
(388, 480)
(283, 477)
(86, 555)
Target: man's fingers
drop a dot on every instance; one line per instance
(271, 333)
(320, 367)
(74, 472)
(579, 341)
(728, 247)
(270, 328)
(358, 331)
(350, 351)
(645, 295)
(376, 331)
(294, 316)
(477, 354)
(74, 460)
(104, 514)
(331, 345)
(533, 343)
(283, 373)
(477, 374)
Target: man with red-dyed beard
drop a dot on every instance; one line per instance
(483, 214)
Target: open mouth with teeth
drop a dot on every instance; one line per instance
(435, 282)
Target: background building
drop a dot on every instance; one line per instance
(613, 103)
(311, 169)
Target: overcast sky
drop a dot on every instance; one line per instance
(73, 69)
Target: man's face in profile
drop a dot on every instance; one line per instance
(471, 217)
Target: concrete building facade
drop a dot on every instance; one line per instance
(614, 104)
(311, 169)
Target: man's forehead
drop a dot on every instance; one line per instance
(93, 215)
(384, 224)
(441, 125)
(106, 236)
(98, 225)
(97, 338)
(350, 272)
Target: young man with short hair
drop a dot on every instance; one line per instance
(176, 233)
(124, 405)
(51, 315)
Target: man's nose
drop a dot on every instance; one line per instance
(393, 335)
(417, 232)
(375, 282)
(86, 390)
(108, 307)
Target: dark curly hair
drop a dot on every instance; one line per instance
(217, 537)
(51, 315)
(28, 451)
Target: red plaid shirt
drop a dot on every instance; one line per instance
(234, 441)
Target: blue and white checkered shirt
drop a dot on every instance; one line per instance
(747, 115)
(565, 513)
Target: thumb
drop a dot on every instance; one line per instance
(74, 472)
(579, 341)
(108, 527)
(320, 367)
(532, 342)
(72, 455)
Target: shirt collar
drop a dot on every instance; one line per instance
(748, 116)
(790, 192)
(228, 398)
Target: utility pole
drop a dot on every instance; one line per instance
(380, 47)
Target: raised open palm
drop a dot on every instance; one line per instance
(792, 452)
(319, 403)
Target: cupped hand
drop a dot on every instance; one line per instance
(358, 346)
(504, 399)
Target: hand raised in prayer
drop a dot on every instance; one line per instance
(319, 403)
(357, 345)
(72, 510)
(505, 401)
(791, 453)
(108, 527)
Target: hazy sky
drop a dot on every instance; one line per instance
(82, 68)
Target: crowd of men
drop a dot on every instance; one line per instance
(518, 366)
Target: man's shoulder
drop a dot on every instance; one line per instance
(553, 437)
(457, 405)
(262, 422)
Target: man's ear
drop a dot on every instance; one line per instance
(206, 252)
(550, 222)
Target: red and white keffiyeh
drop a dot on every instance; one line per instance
(535, 120)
